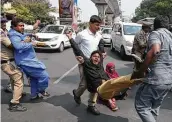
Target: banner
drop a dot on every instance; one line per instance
(66, 8)
(75, 15)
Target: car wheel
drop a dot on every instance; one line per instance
(122, 53)
(112, 47)
(61, 48)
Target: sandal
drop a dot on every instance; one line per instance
(45, 94)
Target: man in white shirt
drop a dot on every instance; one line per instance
(88, 41)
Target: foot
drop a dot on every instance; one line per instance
(23, 94)
(77, 99)
(37, 97)
(16, 107)
(115, 108)
(45, 94)
(93, 110)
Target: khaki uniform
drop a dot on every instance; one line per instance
(139, 46)
(7, 67)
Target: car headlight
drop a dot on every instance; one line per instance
(129, 44)
(54, 38)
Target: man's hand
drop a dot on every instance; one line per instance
(38, 22)
(36, 25)
(69, 35)
(137, 75)
(104, 55)
(27, 39)
(34, 43)
(80, 59)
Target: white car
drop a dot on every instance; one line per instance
(52, 37)
(123, 37)
(106, 35)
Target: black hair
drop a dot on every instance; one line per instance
(10, 16)
(15, 22)
(95, 19)
(96, 51)
(161, 22)
(145, 27)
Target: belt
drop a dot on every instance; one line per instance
(5, 61)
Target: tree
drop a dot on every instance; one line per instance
(152, 8)
(31, 10)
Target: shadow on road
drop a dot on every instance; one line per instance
(66, 101)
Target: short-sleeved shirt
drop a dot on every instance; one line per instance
(88, 42)
(6, 53)
(140, 43)
(161, 68)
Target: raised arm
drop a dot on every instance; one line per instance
(76, 49)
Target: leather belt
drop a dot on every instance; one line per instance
(5, 61)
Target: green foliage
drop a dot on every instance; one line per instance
(31, 10)
(152, 8)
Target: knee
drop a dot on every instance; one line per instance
(18, 76)
(45, 76)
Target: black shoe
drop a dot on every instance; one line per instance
(16, 107)
(77, 99)
(8, 89)
(93, 110)
(23, 94)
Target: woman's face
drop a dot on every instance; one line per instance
(112, 69)
(95, 58)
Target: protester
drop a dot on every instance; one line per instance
(25, 58)
(88, 41)
(157, 82)
(8, 68)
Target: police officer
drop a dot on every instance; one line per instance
(7, 67)
(140, 42)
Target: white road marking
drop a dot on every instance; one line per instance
(65, 74)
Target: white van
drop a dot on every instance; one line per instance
(123, 37)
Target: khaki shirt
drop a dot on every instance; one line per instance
(140, 43)
(6, 53)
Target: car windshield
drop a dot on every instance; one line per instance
(131, 29)
(52, 29)
(107, 31)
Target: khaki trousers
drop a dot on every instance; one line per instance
(83, 86)
(16, 79)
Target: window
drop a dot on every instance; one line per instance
(107, 31)
(53, 29)
(131, 29)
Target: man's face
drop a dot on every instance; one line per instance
(3, 25)
(95, 58)
(147, 29)
(95, 27)
(20, 27)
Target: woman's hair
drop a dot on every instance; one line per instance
(96, 51)
(161, 22)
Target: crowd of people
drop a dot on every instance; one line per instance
(154, 48)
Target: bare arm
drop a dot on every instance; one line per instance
(150, 57)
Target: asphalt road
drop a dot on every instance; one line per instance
(60, 106)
